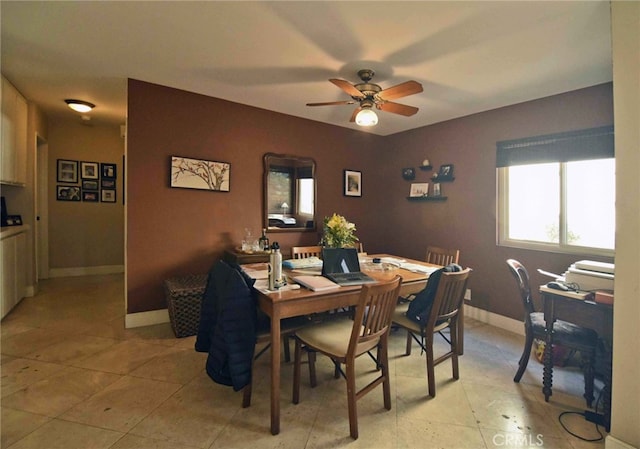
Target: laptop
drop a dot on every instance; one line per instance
(341, 265)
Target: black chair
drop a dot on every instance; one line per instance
(567, 334)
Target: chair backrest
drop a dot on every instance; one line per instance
(521, 275)
(373, 314)
(442, 256)
(302, 252)
(449, 296)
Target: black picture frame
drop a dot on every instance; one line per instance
(352, 183)
(445, 173)
(67, 171)
(14, 220)
(89, 170)
(108, 171)
(90, 196)
(108, 183)
(409, 174)
(108, 195)
(90, 185)
(68, 193)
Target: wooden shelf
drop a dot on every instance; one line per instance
(442, 179)
(427, 198)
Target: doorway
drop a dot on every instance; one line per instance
(42, 209)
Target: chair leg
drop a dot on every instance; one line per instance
(455, 350)
(383, 363)
(588, 377)
(408, 350)
(524, 358)
(246, 396)
(313, 381)
(297, 353)
(351, 398)
(431, 378)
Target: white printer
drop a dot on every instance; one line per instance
(590, 275)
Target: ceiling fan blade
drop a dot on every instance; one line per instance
(401, 90)
(355, 112)
(331, 103)
(347, 87)
(397, 108)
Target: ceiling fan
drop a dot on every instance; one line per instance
(370, 95)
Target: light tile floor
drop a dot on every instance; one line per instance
(74, 377)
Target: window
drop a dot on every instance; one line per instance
(557, 192)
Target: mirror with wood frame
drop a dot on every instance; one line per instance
(289, 193)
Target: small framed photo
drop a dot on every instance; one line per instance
(68, 193)
(352, 183)
(108, 170)
(89, 185)
(108, 196)
(14, 220)
(90, 196)
(67, 171)
(445, 173)
(108, 183)
(436, 189)
(419, 189)
(408, 174)
(89, 170)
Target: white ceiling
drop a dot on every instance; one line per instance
(469, 56)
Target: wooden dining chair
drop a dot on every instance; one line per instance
(343, 340)
(442, 256)
(564, 333)
(445, 313)
(302, 252)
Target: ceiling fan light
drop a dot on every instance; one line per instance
(80, 105)
(366, 117)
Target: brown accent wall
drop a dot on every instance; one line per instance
(467, 220)
(180, 231)
(83, 234)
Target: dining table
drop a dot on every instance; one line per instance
(286, 303)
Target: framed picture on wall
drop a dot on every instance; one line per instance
(108, 196)
(108, 170)
(199, 174)
(68, 193)
(419, 189)
(89, 170)
(89, 185)
(352, 183)
(90, 196)
(67, 171)
(108, 183)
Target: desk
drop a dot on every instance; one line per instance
(599, 317)
(292, 303)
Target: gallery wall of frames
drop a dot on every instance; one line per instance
(90, 182)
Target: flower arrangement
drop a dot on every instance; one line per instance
(338, 232)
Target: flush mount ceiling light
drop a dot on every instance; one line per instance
(366, 117)
(79, 105)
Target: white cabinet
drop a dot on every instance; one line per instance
(13, 270)
(14, 136)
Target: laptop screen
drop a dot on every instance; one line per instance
(340, 260)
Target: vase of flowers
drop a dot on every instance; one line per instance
(338, 232)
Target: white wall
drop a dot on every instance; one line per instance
(625, 420)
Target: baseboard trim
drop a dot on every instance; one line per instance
(149, 318)
(503, 322)
(85, 271)
(611, 442)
